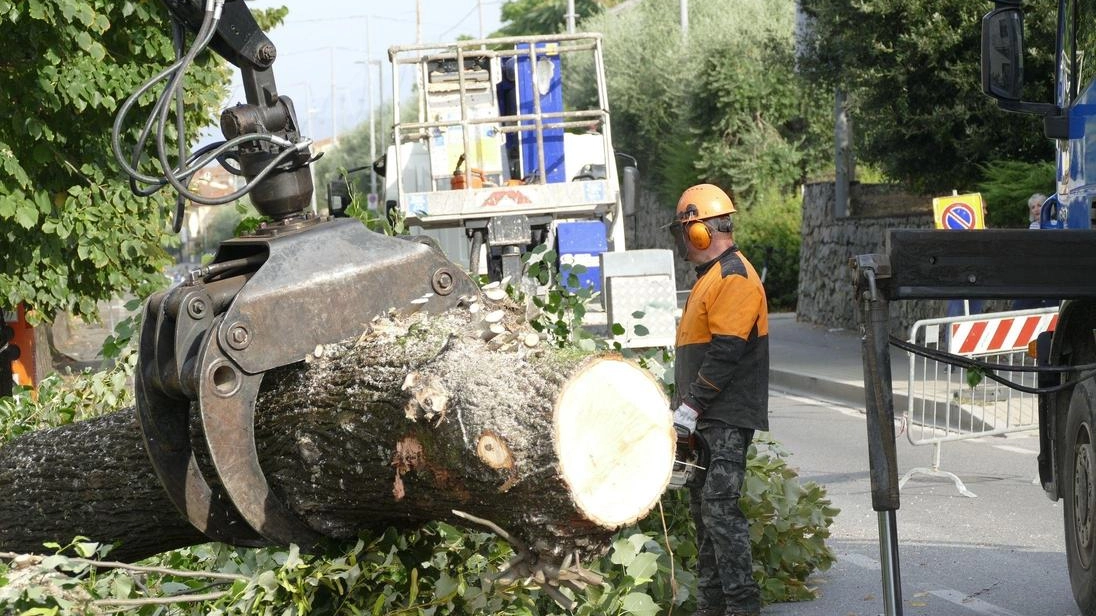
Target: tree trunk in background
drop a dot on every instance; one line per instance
(421, 416)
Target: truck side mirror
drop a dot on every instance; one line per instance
(628, 190)
(1002, 54)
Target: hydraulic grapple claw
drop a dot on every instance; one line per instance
(266, 301)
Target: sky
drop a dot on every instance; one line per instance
(323, 47)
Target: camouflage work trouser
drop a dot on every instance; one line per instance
(725, 566)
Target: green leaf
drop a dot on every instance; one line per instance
(86, 549)
(268, 581)
(97, 52)
(617, 329)
(36, 9)
(54, 561)
(624, 552)
(445, 586)
(121, 587)
(26, 215)
(41, 153)
(40, 611)
(974, 377)
(84, 40)
(643, 568)
(640, 604)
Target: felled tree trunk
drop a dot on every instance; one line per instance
(91, 479)
(421, 416)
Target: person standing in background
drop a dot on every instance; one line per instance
(1035, 208)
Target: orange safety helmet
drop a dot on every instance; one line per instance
(697, 204)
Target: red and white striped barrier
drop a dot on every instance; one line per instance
(998, 335)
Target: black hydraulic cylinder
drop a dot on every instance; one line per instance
(873, 315)
(879, 406)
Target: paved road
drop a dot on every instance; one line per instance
(1000, 554)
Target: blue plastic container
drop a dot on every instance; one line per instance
(581, 243)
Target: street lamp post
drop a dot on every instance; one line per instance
(372, 126)
(372, 103)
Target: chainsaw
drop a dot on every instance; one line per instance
(267, 299)
(689, 456)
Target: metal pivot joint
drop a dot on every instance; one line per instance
(264, 302)
(871, 273)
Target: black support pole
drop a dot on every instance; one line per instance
(873, 316)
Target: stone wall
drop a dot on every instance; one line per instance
(829, 242)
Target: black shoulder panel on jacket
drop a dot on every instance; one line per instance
(732, 264)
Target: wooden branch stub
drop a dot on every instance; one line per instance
(429, 398)
(493, 450)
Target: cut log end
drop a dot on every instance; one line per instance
(615, 440)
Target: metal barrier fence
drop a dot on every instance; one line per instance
(942, 403)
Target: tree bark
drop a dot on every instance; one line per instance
(420, 416)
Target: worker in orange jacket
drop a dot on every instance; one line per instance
(722, 384)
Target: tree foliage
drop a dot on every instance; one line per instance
(723, 106)
(72, 235)
(521, 17)
(769, 234)
(1007, 185)
(912, 73)
(70, 230)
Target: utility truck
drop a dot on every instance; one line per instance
(491, 146)
(1000, 264)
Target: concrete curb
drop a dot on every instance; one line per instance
(818, 387)
(853, 395)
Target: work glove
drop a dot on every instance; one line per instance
(685, 420)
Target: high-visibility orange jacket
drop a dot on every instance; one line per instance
(721, 367)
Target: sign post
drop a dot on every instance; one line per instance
(959, 213)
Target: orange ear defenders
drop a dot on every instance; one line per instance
(696, 205)
(699, 232)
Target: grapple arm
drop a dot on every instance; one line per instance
(206, 344)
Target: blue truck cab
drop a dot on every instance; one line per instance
(1062, 256)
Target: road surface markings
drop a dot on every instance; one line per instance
(829, 404)
(971, 603)
(1016, 449)
(860, 560)
(961, 599)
